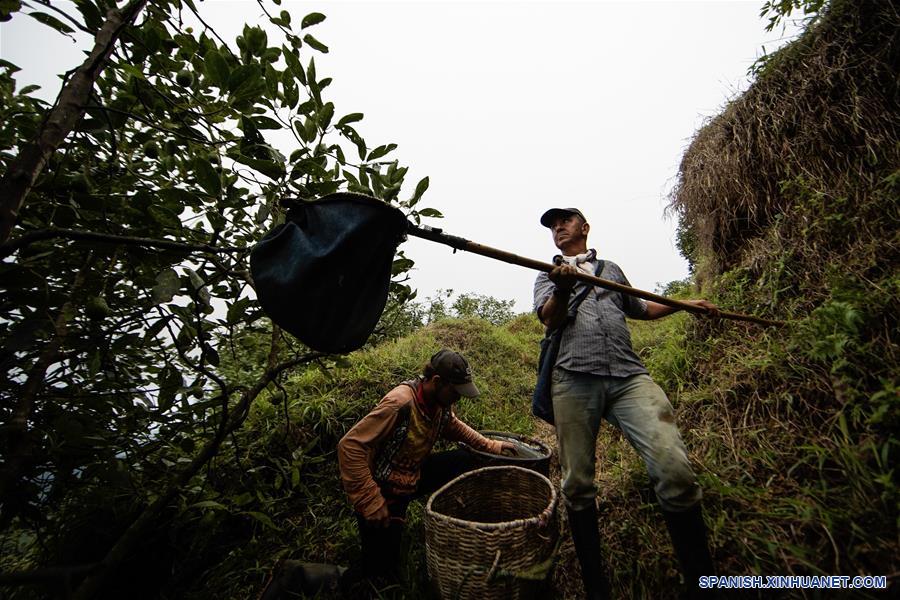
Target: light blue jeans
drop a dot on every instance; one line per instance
(640, 409)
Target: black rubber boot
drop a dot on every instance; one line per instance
(586, 536)
(688, 533)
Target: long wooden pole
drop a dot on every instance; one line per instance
(458, 243)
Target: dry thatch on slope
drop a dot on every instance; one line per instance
(790, 204)
(815, 135)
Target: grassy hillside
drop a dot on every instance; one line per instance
(789, 207)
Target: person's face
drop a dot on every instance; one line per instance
(446, 394)
(568, 230)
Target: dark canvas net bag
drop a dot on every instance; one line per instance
(324, 275)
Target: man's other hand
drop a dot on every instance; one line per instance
(712, 309)
(508, 449)
(381, 517)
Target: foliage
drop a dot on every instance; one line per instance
(125, 280)
(777, 10)
(465, 305)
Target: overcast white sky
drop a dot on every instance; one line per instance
(511, 108)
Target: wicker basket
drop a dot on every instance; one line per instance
(492, 533)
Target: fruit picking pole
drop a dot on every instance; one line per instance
(458, 243)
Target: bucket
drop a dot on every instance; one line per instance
(492, 533)
(530, 453)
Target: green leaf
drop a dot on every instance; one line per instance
(285, 17)
(262, 214)
(420, 189)
(401, 265)
(263, 122)
(195, 279)
(94, 363)
(293, 64)
(199, 286)
(185, 337)
(312, 19)
(256, 39)
(431, 212)
(237, 311)
(262, 518)
(157, 326)
(309, 130)
(53, 22)
(273, 78)
(243, 77)
(207, 176)
(325, 116)
(180, 198)
(132, 70)
(271, 169)
(216, 68)
(89, 11)
(352, 135)
(351, 118)
(210, 354)
(167, 285)
(208, 504)
(170, 381)
(315, 43)
(291, 93)
(381, 151)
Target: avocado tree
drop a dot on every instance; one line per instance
(128, 209)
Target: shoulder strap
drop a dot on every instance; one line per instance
(587, 288)
(573, 311)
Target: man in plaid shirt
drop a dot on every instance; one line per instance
(597, 376)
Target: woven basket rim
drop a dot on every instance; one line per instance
(540, 520)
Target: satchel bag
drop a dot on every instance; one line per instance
(541, 400)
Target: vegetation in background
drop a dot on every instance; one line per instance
(130, 206)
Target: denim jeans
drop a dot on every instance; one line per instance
(640, 409)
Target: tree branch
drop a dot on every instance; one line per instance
(24, 171)
(92, 236)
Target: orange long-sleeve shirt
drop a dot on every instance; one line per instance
(383, 453)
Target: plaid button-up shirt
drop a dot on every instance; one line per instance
(598, 340)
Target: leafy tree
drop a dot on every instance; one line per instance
(777, 10)
(128, 209)
(465, 305)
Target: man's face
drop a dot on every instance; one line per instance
(567, 229)
(446, 394)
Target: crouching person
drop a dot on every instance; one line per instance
(386, 460)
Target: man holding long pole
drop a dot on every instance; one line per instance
(597, 375)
